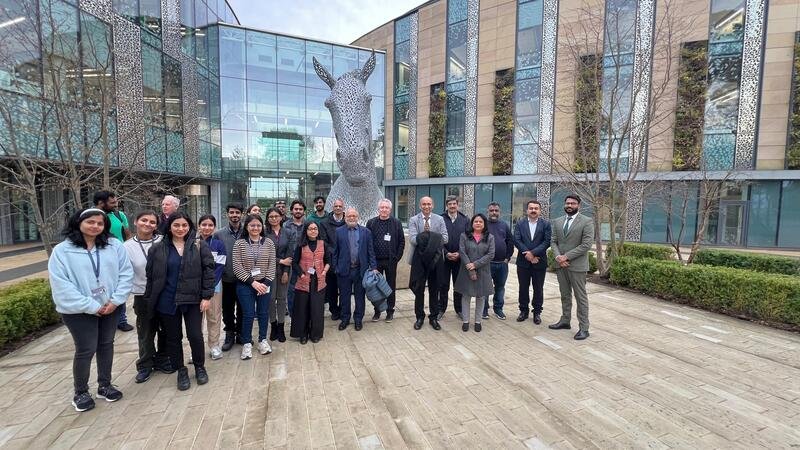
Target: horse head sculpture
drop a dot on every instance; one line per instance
(349, 105)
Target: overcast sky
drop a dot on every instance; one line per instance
(339, 21)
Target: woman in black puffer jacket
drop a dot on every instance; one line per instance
(180, 284)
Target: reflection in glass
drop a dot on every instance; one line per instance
(324, 55)
(457, 52)
(291, 61)
(261, 62)
(262, 106)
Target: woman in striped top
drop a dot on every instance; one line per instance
(254, 266)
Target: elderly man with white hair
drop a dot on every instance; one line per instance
(353, 256)
(389, 243)
(169, 205)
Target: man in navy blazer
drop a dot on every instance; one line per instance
(354, 254)
(532, 239)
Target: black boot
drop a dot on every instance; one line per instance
(201, 374)
(228, 344)
(281, 333)
(273, 332)
(183, 379)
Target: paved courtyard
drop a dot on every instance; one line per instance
(653, 374)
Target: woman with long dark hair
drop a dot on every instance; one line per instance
(90, 275)
(254, 266)
(311, 262)
(208, 224)
(180, 285)
(283, 240)
(476, 249)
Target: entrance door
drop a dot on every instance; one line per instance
(732, 223)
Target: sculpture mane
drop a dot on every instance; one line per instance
(349, 105)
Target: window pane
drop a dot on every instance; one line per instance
(318, 118)
(457, 52)
(233, 105)
(522, 192)
(203, 108)
(187, 27)
(456, 10)
(127, 8)
(763, 214)
(172, 94)
(200, 37)
(375, 83)
(344, 60)
(261, 56)
(790, 215)
(153, 86)
(150, 14)
(291, 61)
(324, 55)
(60, 50)
(232, 52)
(291, 109)
(262, 106)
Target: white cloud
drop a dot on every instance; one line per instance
(340, 21)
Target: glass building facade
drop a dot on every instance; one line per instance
(402, 86)
(456, 87)
(527, 86)
(277, 135)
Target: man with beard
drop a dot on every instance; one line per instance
(389, 242)
(231, 311)
(281, 205)
(532, 238)
(427, 233)
(318, 215)
(456, 224)
(503, 250)
(354, 255)
(169, 205)
(120, 229)
(573, 235)
(329, 225)
(295, 228)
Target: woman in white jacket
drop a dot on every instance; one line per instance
(90, 275)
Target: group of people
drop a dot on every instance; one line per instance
(288, 265)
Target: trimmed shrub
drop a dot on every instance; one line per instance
(637, 250)
(737, 292)
(24, 308)
(551, 261)
(750, 261)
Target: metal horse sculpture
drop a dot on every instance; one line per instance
(349, 104)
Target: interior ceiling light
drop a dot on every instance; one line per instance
(12, 22)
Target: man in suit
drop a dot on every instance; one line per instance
(573, 235)
(427, 234)
(532, 239)
(353, 256)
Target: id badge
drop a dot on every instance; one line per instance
(99, 294)
(255, 272)
(312, 271)
(387, 237)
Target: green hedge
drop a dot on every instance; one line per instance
(551, 261)
(738, 292)
(24, 308)
(638, 250)
(750, 261)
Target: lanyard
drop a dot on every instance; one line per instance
(255, 255)
(95, 266)
(144, 252)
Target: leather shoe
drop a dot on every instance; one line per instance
(304, 340)
(335, 316)
(478, 328)
(228, 344)
(581, 335)
(435, 324)
(465, 326)
(143, 375)
(315, 340)
(418, 324)
(537, 319)
(343, 325)
(522, 317)
(201, 374)
(359, 326)
(559, 326)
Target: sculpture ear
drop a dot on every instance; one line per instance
(369, 66)
(323, 73)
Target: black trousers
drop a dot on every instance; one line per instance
(148, 331)
(231, 310)
(526, 278)
(190, 316)
(388, 267)
(433, 280)
(308, 316)
(451, 269)
(92, 335)
(332, 293)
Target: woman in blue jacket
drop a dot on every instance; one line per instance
(208, 224)
(90, 276)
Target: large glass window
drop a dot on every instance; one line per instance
(262, 106)
(291, 61)
(790, 215)
(456, 75)
(402, 85)
(528, 85)
(261, 62)
(324, 55)
(147, 13)
(162, 91)
(765, 198)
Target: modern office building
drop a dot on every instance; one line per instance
(492, 100)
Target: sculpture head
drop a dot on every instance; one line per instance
(349, 104)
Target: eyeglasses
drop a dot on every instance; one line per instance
(274, 216)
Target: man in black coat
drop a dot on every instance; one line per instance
(503, 250)
(389, 242)
(532, 239)
(329, 225)
(457, 224)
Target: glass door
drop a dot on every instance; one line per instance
(732, 223)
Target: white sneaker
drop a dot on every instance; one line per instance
(264, 348)
(247, 351)
(216, 353)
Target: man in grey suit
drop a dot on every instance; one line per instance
(427, 233)
(573, 235)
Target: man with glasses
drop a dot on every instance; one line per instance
(573, 236)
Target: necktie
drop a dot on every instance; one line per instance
(566, 224)
(427, 226)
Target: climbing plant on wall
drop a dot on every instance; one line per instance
(588, 108)
(793, 144)
(436, 131)
(690, 110)
(503, 140)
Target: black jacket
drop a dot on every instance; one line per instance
(454, 230)
(395, 231)
(195, 279)
(328, 231)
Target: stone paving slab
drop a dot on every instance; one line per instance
(652, 375)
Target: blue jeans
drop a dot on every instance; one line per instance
(499, 276)
(123, 318)
(253, 305)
